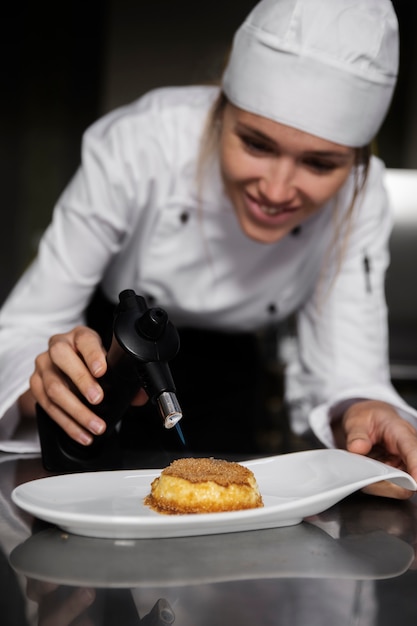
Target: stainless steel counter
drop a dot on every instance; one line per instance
(354, 564)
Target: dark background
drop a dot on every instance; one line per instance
(65, 64)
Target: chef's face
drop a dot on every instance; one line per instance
(277, 176)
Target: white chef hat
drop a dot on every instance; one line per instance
(326, 67)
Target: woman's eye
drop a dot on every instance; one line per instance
(320, 166)
(255, 145)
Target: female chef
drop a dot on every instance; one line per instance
(233, 208)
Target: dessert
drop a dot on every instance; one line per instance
(204, 485)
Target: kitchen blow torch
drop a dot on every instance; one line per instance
(143, 343)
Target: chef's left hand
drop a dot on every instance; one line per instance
(375, 429)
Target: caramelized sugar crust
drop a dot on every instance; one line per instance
(204, 485)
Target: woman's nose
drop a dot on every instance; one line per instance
(277, 183)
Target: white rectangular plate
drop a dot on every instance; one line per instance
(293, 486)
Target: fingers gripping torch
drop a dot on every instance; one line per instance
(143, 343)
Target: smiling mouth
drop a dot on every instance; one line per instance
(274, 211)
(270, 210)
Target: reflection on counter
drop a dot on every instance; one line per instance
(302, 551)
(285, 576)
(352, 564)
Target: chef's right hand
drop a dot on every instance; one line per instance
(73, 359)
(60, 606)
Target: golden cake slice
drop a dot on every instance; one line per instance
(204, 485)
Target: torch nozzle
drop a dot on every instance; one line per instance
(169, 408)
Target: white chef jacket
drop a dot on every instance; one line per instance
(133, 217)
